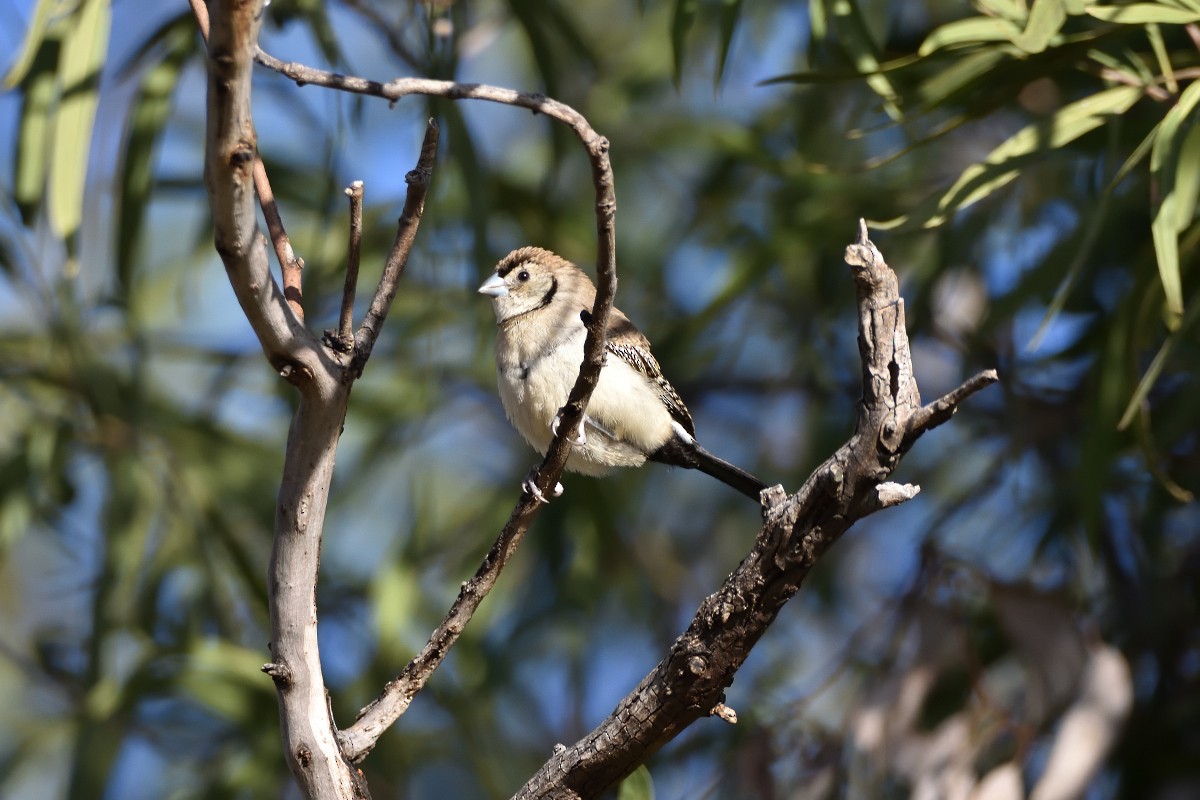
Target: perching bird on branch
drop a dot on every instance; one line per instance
(542, 302)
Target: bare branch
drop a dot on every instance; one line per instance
(406, 232)
(291, 265)
(308, 733)
(345, 331)
(942, 409)
(690, 682)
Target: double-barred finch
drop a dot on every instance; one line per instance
(542, 303)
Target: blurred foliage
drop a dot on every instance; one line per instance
(1037, 166)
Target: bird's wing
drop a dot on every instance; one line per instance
(627, 343)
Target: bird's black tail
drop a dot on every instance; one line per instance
(691, 455)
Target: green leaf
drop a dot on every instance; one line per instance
(727, 21)
(1014, 11)
(37, 120)
(818, 23)
(32, 44)
(1083, 252)
(969, 31)
(856, 39)
(1187, 178)
(682, 17)
(945, 83)
(1005, 162)
(151, 109)
(1142, 13)
(84, 48)
(1165, 168)
(1156, 367)
(835, 76)
(1046, 19)
(1154, 34)
(1135, 157)
(638, 786)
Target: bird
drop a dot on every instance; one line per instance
(543, 305)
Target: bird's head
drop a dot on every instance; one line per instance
(528, 279)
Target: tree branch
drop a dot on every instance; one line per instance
(406, 232)
(345, 331)
(691, 681)
(292, 266)
(308, 732)
(382, 713)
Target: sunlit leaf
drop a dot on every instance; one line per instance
(817, 21)
(1045, 20)
(32, 43)
(838, 75)
(970, 31)
(84, 48)
(856, 39)
(945, 83)
(1141, 13)
(36, 123)
(1164, 168)
(1005, 162)
(1139, 153)
(1154, 34)
(1015, 11)
(1187, 178)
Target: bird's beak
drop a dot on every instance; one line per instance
(494, 287)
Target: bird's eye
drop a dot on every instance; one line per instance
(523, 275)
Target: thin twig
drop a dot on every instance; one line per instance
(290, 264)
(934, 414)
(358, 740)
(406, 232)
(345, 335)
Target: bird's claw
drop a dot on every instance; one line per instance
(580, 438)
(529, 486)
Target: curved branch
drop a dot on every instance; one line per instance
(406, 233)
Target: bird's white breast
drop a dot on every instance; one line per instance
(626, 417)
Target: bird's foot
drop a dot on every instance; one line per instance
(529, 486)
(580, 438)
